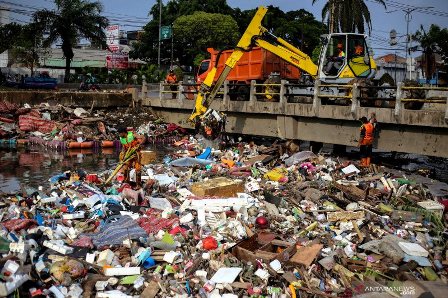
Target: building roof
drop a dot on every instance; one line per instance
(390, 58)
(82, 58)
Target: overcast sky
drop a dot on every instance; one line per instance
(134, 13)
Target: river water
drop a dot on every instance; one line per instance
(34, 166)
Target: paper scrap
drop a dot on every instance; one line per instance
(413, 249)
(226, 275)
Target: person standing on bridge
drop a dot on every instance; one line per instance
(171, 79)
(367, 131)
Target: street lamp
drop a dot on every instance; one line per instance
(408, 18)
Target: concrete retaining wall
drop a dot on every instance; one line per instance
(78, 99)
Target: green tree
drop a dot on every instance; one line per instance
(8, 35)
(24, 43)
(146, 49)
(298, 27)
(199, 31)
(71, 21)
(433, 41)
(27, 48)
(348, 15)
(151, 72)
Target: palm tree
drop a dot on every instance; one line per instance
(429, 42)
(71, 21)
(348, 15)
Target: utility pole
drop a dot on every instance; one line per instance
(160, 31)
(331, 27)
(172, 45)
(408, 18)
(395, 68)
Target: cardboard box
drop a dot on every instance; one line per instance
(218, 187)
(148, 157)
(257, 247)
(432, 206)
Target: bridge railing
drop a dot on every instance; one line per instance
(317, 94)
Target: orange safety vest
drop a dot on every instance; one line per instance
(171, 79)
(359, 50)
(368, 133)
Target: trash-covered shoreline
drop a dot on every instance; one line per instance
(63, 127)
(240, 220)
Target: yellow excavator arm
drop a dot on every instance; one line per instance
(255, 35)
(206, 94)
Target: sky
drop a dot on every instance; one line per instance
(132, 14)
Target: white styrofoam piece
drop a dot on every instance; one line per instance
(122, 271)
(90, 258)
(413, 249)
(112, 294)
(49, 200)
(76, 215)
(16, 281)
(105, 257)
(11, 267)
(101, 285)
(431, 205)
(218, 204)
(226, 275)
(171, 256)
(57, 293)
(350, 169)
(18, 247)
(62, 249)
(186, 218)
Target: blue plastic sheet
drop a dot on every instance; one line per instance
(189, 162)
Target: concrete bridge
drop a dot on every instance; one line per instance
(422, 131)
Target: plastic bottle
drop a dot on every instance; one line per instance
(429, 240)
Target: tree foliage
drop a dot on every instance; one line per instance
(433, 41)
(24, 43)
(147, 48)
(298, 27)
(201, 30)
(348, 15)
(8, 35)
(71, 21)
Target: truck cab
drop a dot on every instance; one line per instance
(202, 71)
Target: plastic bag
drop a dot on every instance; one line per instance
(299, 157)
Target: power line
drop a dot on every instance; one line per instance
(422, 9)
(21, 5)
(401, 6)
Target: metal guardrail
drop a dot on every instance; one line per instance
(280, 91)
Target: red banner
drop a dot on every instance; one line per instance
(117, 61)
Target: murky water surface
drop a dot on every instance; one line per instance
(34, 166)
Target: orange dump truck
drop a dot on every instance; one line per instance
(257, 64)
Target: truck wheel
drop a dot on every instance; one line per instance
(243, 93)
(414, 94)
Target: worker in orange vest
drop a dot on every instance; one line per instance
(359, 50)
(172, 80)
(367, 131)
